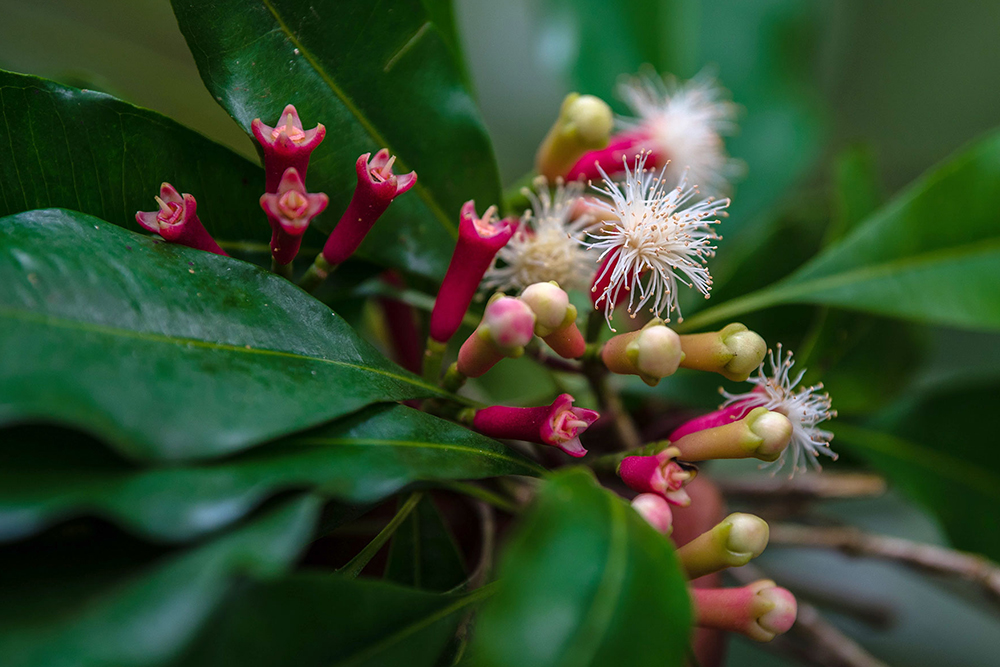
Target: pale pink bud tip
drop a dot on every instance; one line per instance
(550, 303)
(781, 617)
(509, 322)
(176, 220)
(655, 510)
(773, 428)
(559, 425)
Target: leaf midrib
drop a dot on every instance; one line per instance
(145, 336)
(349, 104)
(319, 441)
(594, 627)
(788, 290)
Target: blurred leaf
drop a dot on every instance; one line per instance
(376, 77)
(143, 616)
(423, 553)
(940, 450)
(585, 581)
(931, 255)
(47, 476)
(167, 352)
(856, 191)
(87, 151)
(326, 620)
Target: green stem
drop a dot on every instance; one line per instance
(283, 270)
(453, 379)
(487, 496)
(611, 404)
(356, 564)
(433, 360)
(316, 274)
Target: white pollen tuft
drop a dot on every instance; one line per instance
(684, 122)
(548, 243)
(654, 240)
(805, 408)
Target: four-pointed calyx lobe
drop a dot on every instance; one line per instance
(177, 221)
(559, 424)
(289, 211)
(376, 188)
(479, 240)
(286, 145)
(659, 473)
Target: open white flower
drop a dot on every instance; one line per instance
(805, 408)
(683, 122)
(547, 245)
(655, 238)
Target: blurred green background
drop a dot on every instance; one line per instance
(908, 81)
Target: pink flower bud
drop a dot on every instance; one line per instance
(377, 187)
(555, 319)
(719, 417)
(177, 221)
(760, 611)
(286, 145)
(659, 474)
(507, 326)
(624, 145)
(559, 424)
(290, 210)
(479, 240)
(655, 510)
(761, 434)
(652, 353)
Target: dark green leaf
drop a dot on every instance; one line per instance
(423, 553)
(168, 352)
(323, 620)
(143, 616)
(377, 77)
(87, 151)
(931, 255)
(359, 459)
(941, 452)
(586, 581)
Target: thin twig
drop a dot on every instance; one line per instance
(357, 564)
(488, 526)
(486, 495)
(805, 487)
(813, 639)
(928, 557)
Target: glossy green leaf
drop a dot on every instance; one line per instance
(87, 151)
(376, 76)
(940, 450)
(168, 352)
(423, 553)
(857, 192)
(585, 581)
(931, 255)
(324, 620)
(143, 615)
(48, 477)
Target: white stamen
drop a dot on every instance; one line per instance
(685, 123)
(805, 408)
(547, 245)
(650, 234)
